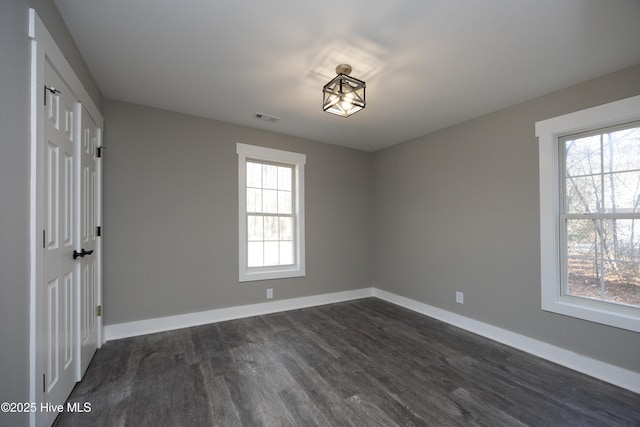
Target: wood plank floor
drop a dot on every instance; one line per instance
(358, 363)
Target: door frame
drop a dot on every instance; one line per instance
(44, 46)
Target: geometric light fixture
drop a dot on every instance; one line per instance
(344, 95)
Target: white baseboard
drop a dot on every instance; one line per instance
(603, 371)
(161, 324)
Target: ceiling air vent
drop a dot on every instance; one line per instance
(266, 117)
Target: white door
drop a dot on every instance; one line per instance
(58, 293)
(87, 205)
(65, 281)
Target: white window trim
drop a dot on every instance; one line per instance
(297, 160)
(548, 132)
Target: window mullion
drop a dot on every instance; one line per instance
(627, 215)
(601, 237)
(600, 232)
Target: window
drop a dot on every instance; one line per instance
(271, 207)
(590, 214)
(600, 215)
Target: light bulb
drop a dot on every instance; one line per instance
(347, 101)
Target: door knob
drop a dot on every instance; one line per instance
(77, 254)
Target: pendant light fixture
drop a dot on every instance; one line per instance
(344, 95)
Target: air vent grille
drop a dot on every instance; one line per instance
(266, 117)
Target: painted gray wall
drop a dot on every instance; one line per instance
(458, 210)
(50, 16)
(171, 222)
(14, 207)
(14, 187)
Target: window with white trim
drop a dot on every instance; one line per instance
(271, 213)
(590, 214)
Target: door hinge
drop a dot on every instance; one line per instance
(44, 383)
(44, 239)
(98, 310)
(99, 150)
(98, 231)
(50, 89)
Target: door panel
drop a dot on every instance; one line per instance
(60, 277)
(52, 366)
(88, 292)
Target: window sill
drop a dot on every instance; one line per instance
(271, 274)
(622, 317)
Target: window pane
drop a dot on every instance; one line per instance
(284, 178)
(286, 228)
(621, 155)
(621, 192)
(581, 237)
(622, 150)
(270, 177)
(583, 248)
(254, 175)
(583, 168)
(254, 200)
(621, 260)
(255, 254)
(627, 236)
(271, 253)
(270, 228)
(583, 156)
(603, 260)
(255, 228)
(286, 253)
(284, 202)
(584, 279)
(621, 283)
(270, 201)
(584, 194)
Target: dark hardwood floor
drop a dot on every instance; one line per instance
(358, 363)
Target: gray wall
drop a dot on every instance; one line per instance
(14, 213)
(14, 187)
(171, 222)
(50, 16)
(458, 210)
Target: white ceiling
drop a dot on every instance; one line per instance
(428, 64)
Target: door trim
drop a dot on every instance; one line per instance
(43, 46)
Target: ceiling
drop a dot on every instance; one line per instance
(428, 64)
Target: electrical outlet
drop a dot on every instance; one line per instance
(269, 293)
(460, 297)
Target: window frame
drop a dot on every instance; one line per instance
(549, 133)
(297, 162)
